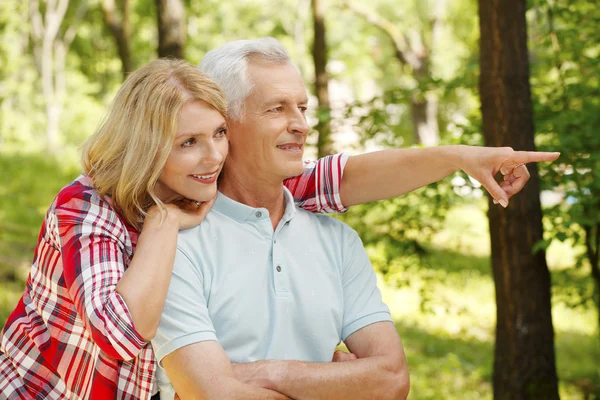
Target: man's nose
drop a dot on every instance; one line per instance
(298, 125)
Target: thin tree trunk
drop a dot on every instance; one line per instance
(50, 52)
(524, 365)
(171, 28)
(121, 31)
(319, 50)
(44, 33)
(592, 245)
(424, 118)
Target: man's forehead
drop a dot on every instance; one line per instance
(276, 80)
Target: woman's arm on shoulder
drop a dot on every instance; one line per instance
(120, 300)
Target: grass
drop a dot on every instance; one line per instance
(443, 307)
(450, 345)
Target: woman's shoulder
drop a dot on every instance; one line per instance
(81, 197)
(81, 189)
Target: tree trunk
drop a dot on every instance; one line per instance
(524, 365)
(592, 245)
(319, 50)
(44, 33)
(424, 118)
(121, 31)
(171, 28)
(53, 109)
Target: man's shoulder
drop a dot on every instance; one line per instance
(325, 223)
(209, 229)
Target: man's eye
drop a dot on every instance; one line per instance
(276, 109)
(303, 109)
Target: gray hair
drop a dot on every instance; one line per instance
(227, 65)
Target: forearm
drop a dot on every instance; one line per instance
(145, 283)
(390, 173)
(368, 378)
(228, 388)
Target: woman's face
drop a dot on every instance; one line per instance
(197, 156)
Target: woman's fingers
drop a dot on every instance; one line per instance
(204, 208)
(192, 213)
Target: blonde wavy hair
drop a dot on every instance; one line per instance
(126, 154)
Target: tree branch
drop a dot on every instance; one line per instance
(120, 31)
(402, 49)
(54, 17)
(72, 30)
(37, 32)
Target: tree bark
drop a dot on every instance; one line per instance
(592, 245)
(171, 28)
(424, 112)
(524, 365)
(319, 50)
(120, 29)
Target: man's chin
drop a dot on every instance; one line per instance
(292, 169)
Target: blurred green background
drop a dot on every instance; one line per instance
(381, 73)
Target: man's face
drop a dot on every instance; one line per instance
(269, 139)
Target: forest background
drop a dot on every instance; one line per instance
(381, 74)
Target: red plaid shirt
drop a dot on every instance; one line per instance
(71, 335)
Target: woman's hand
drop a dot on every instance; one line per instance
(185, 213)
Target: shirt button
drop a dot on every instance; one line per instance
(278, 268)
(258, 214)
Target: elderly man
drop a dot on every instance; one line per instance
(262, 292)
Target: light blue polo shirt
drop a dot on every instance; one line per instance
(289, 294)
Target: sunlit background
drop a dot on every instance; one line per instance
(399, 74)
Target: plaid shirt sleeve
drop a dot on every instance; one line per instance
(317, 189)
(91, 237)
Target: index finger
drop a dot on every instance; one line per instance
(535, 156)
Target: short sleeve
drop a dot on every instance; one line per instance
(363, 304)
(185, 319)
(317, 189)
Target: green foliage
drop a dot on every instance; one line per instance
(29, 184)
(567, 99)
(402, 225)
(439, 273)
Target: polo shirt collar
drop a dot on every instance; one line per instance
(242, 212)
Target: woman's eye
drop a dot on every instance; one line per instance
(221, 133)
(188, 143)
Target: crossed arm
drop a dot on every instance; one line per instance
(380, 372)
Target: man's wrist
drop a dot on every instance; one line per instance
(455, 156)
(276, 373)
